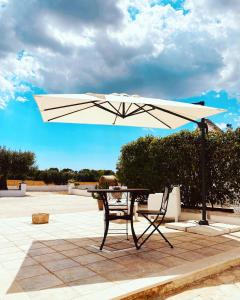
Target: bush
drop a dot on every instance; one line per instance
(153, 162)
(15, 165)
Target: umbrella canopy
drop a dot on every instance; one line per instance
(120, 109)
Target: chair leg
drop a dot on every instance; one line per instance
(105, 233)
(135, 239)
(127, 229)
(155, 228)
(166, 240)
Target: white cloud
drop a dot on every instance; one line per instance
(21, 99)
(13, 72)
(163, 52)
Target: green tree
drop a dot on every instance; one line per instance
(153, 162)
(15, 164)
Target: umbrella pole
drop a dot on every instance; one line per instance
(203, 129)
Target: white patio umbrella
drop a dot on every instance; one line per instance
(127, 110)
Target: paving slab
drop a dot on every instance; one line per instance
(230, 227)
(180, 225)
(58, 260)
(208, 230)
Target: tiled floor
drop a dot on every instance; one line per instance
(61, 260)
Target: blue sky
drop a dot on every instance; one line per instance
(152, 48)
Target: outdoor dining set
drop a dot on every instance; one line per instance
(120, 204)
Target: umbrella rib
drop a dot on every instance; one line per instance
(69, 105)
(113, 106)
(109, 110)
(72, 112)
(153, 116)
(128, 108)
(117, 115)
(174, 114)
(139, 112)
(136, 111)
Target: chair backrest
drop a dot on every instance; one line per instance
(154, 200)
(165, 198)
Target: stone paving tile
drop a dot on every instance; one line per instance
(61, 292)
(208, 251)
(203, 242)
(65, 246)
(55, 242)
(128, 260)
(19, 255)
(190, 255)
(40, 251)
(89, 258)
(152, 255)
(172, 261)
(114, 254)
(30, 271)
(75, 273)
(75, 252)
(189, 246)
(90, 285)
(223, 246)
(36, 245)
(64, 251)
(39, 282)
(49, 257)
(60, 264)
(8, 250)
(105, 266)
(171, 251)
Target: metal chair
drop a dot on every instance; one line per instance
(111, 213)
(158, 218)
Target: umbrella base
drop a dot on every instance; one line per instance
(203, 222)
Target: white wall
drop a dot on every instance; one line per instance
(174, 203)
(81, 192)
(14, 192)
(47, 188)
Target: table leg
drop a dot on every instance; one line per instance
(133, 197)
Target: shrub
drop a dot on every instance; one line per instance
(153, 162)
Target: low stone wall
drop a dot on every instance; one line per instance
(47, 188)
(80, 192)
(12, 193)
(15, 192)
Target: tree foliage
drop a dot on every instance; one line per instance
(153, 162)
(56, 176)
(21, 165)
(15, 164)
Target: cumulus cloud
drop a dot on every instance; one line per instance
(15, 72)
(102, 46)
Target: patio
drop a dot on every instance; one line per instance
(61, 259)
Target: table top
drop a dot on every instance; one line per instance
(132, 190)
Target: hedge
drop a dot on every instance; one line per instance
(152, 162)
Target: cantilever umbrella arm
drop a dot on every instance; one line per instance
(204, 130)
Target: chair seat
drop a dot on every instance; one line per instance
(118, 209)
(123, 217)
(150, 212)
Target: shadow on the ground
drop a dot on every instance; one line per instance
(70, 262)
